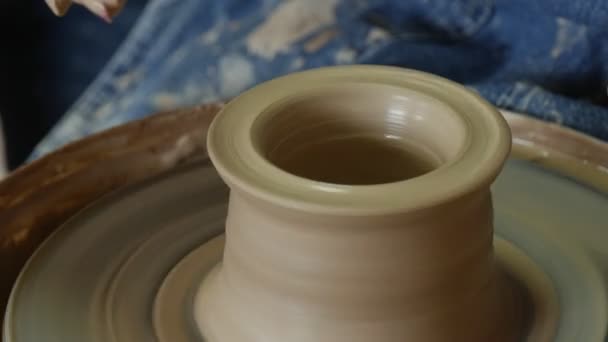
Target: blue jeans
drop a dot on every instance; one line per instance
(545, 58)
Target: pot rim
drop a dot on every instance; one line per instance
(244, 169)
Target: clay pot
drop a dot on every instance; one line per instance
(360, 210)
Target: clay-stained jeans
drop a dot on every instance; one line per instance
(546, 58)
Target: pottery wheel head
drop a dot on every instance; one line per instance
(158, 261)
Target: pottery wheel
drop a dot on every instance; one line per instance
(128, 267)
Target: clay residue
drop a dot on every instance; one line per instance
(104, 111)
(236, 73)
(127, 79)
(376, 35)
(345, 56)
(290, 22)
(530, 95)
(193, 92)
(183, 148)
(567, 35)
(165, 100)
(555, 116)
(317, 42)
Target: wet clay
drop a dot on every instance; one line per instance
(359, 211)
(357, 160)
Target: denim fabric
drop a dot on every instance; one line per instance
(546, 58)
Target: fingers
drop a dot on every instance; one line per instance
(59, 7)
(105, 9)
(98, 7)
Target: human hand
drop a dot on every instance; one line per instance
(105, 9)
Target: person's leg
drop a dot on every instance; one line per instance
(516, 53)
(47, 62)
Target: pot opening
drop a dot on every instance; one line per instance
(359, 135)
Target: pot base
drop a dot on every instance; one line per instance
(125, 267)
(223, 315)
